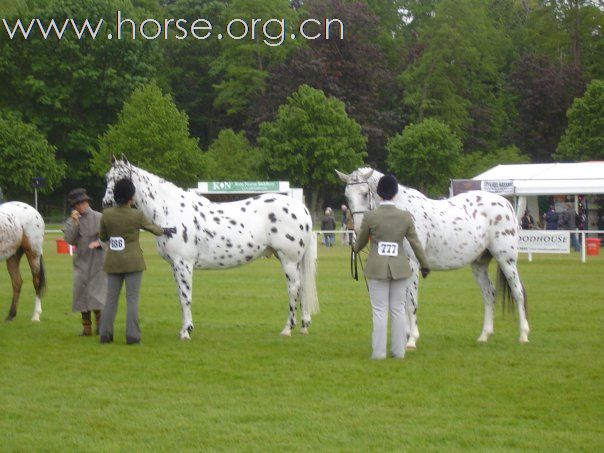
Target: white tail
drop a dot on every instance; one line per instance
(309, 297)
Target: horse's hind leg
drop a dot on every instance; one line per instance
(37, 272)
(12, 264)
(292, 274)
(183, 275)
(480, 270)
(510, 271)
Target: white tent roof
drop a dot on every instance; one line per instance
(550, 179)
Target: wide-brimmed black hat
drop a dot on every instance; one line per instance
(123, 191)
(77, 196)
(387, 187)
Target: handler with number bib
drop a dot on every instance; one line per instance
(387, 269)
(124, 261)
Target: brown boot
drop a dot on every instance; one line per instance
(97, 317)
(86, 324)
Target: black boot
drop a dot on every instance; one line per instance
(97, 317)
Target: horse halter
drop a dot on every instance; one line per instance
(371, 201)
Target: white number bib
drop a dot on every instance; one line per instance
(117, 243)
(387, 248)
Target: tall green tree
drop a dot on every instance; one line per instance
(584, 136)
(25, 153)
(154, 135)
(311, 137)
(71, 88)
(425, 155)
(231, 157)
(456, 72)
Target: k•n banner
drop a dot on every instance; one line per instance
(541, 241)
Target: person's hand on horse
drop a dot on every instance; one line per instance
(94, 245)
(169, 231)
(425, 271)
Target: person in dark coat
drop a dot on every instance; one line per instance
(551, 219)
(89, 280)
(120, 227)
(527, 222)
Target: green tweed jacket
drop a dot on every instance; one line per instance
(120, 227)
(387, 225)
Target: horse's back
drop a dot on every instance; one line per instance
(21, 220)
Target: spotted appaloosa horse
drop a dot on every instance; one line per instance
(22, 232)
(222, 235)
(470, 228)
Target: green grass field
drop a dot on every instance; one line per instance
(238, 385)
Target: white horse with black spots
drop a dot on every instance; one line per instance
(470, 228)
(222, 235)
(22, 233)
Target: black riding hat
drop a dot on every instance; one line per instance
(123, 191)
(77, 196)
(387, 187)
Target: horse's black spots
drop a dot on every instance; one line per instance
(243, 208)
(248, 202)
(221, 264)
(184, 233)
(203, 216)
(222, 238)
(220, 211)
(478, 198)
(273, 230)
(208, 232)
(290, 237)
(255, 198)
(241, 225)
(151, 195)
(301, 227)
(248, 257)
(182, 196)
(287, 277)
(285, 210)
(221, 257)
(498, 219)
(229, 244)
(272, 217)
(195, 208)
(250, 245)
(294, 216)
(217, 220)
(307, 227)
(182, 205)
(232, 222)
(269, 200)
(301, 243)
(507, 217)
(196, 222)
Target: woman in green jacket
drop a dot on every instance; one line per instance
(120, 227)
(387, 269)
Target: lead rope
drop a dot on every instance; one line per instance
(354, 259)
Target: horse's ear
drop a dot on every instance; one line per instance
(113, 159)
(343, 176)
(124, 159)
(367, 175)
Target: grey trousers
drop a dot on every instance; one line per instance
(114, 286)
(388, 296)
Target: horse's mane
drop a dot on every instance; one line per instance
(375, 177)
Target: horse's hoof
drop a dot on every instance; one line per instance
(185, 336)
(35, 318)
(482, 339)
(9, 318)
(287, 332)
(410, 347)
(304, 330)
(523, 340)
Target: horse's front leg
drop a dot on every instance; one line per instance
(183, 275)
(411, 304)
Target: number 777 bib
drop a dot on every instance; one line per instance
(387, 248)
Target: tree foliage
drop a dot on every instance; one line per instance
(473, 164)
(311, 136)
(25, 154)
(584, 137)
(425, 155)
(231, 157)
(153, 134)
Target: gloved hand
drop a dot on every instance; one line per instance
(169, 231)
(425, 271)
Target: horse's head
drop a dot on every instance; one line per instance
(119, 169)
(359, 193)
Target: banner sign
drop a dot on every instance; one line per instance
(498, 187)
(544, 241)
(243, 186)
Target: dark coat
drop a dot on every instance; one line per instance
(121, 227)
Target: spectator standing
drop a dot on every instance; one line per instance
(328, 224)
(551, 218)
(89, 281)
(527, 222)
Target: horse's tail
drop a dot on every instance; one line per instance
(308, 289)
(504, 292)
(42, 287)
